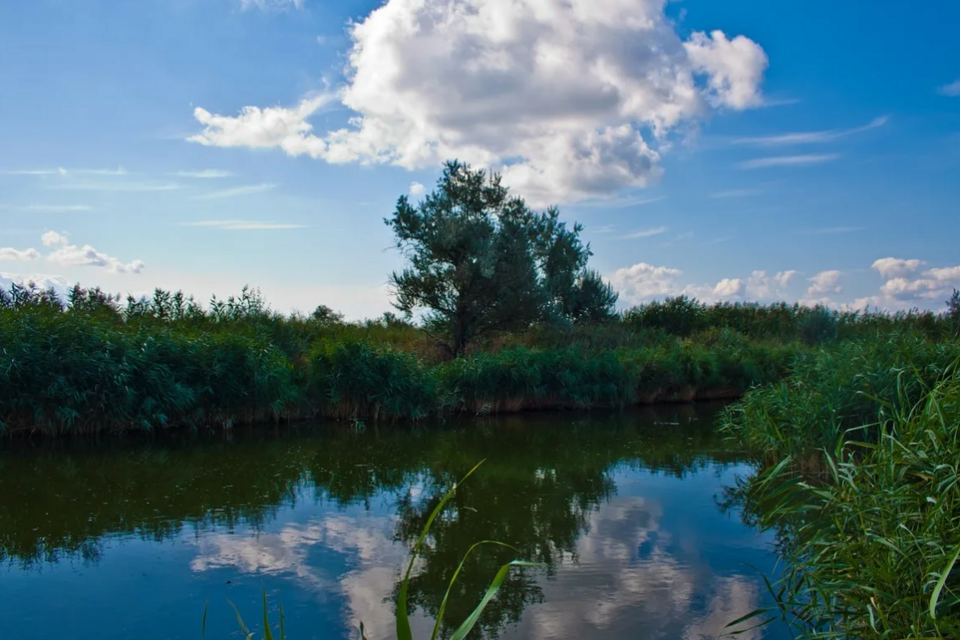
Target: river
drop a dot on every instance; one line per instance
(129, 538)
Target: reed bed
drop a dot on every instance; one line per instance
(92, 363)
(862, 486)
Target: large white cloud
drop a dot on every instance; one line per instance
(570, 98)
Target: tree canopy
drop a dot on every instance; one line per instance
(480, 260)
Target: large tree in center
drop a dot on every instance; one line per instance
(481, 261)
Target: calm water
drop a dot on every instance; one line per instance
(129, 539)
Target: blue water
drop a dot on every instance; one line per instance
(131, 539)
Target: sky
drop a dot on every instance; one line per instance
(741, 150)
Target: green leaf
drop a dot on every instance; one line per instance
(446, 596)
(472, 619)
(403, 619)
(935, 596)
(267, 635)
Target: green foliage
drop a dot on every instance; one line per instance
(481, 261)
(839, 392)
(872, 543)
(357, 381)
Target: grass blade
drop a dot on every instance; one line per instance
(935, 596)
(492, 590)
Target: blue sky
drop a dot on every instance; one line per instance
(810, 151)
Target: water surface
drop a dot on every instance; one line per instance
(122, 539)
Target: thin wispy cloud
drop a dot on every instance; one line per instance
(826, 231)
(735, 193)
(789, 161)
(119, 186)
(238, 191)
(56, 208)
(617, 203)
(206, 174)
(810, 137)
(645, 233)
(680, 237)
(36, 172)
(119, 171)
(606, 228)
(952, 89)
(243, 225)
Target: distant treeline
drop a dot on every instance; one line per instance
(94, 363)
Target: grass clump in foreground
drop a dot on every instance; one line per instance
(869, 524)
(403, 629)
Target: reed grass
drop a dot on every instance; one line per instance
(862, 486)
(92, 363)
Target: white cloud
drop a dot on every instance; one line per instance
(238, 191)
(554, 94)
(417, 189)
(42, 281)
(952, 89)
(789, 161)
(734, 67)
(934, 284)
(645, 233)
(68, 255)
(729, 288)
(244, 225)
(644, 282)
(889, 268)
(205, 174)
(825, 283)
(18, 255)
(53, 239)
(810, 137)
(763, 286)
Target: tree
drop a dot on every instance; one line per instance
(953, 309)
(481, 261)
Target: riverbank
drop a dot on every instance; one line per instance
(66, 376)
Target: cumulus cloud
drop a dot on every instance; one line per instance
(644, 282)
(896, 267)
(763, 286)
(417, 189)
(933, 284)
(42, 281)
(825, 283)
(729, 288)
(69, 255)
(570, 100)
(18, 255)
(53, 239)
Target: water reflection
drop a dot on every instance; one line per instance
(620, 510)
